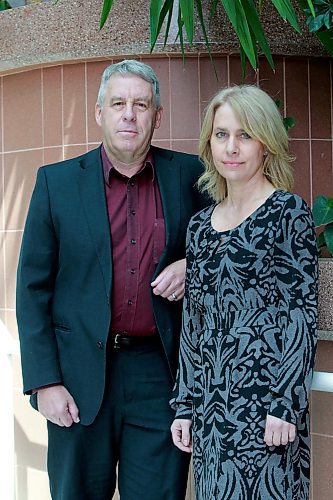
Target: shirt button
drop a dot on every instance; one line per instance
(132, 271)
(133, 212)
(132, 183)
(100, 344)
(130, 302)
(133, 241)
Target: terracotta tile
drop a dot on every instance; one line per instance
(12, 245)
(162, 144)
(272, 82)
(320, 99)
(73, 151)
(321, 413)
(94, 75)
(52, 106)
(31, 480)
(209, 85)
(30, 433)
(17, 372)
(161, 68)
(22, 111)
(1, 110)
(52, 155)
(322, 173)
(301, 169)
(324, 357)
(2, 271)
(187, 146)
(235, 71)
(20, 174)
(185, 123)
(297, 95)
(2, 221)
(11, 323)
(74, 99)
(322, 479)
(93, 145)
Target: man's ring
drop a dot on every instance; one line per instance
(174, 296)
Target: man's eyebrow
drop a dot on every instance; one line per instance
(116, 98)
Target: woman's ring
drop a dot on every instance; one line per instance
(174, 296)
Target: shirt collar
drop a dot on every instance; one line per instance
(109, 169)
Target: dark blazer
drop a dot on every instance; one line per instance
(64, 280)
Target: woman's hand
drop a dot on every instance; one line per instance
(181, 434)
(278, 432)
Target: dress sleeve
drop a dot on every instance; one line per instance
(296, 264)
(182, 394)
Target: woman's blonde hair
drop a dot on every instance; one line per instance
(260, 118)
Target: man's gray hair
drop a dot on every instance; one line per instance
(133, 67)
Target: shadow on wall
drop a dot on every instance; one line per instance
(30, 456)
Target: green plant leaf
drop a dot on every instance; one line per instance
(165, 11)
(187, 12)
(311, 7)
(321, 243)
(213, 9)
(237, 17)
(289, 122)
(322, 210)
(287, 12)
(154, 16)
(329, 237)
(258, 32)
(107, 5)
(180, 34)
(203, 27)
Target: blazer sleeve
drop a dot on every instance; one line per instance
(182, 395)
(36, 276)
(296, 263)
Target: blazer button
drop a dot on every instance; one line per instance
(100, 344)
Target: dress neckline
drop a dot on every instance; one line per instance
(249, 217)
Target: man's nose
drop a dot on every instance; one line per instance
(129, 112)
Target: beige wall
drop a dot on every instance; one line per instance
(47, 114)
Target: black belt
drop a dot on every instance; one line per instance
(121, 341)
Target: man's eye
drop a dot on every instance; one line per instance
(141, 105)
(117, 104)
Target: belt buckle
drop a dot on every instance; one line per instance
(116, 344)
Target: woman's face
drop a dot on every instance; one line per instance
(237, 157)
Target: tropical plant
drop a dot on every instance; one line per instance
(323, 216)
(4, 5)
(244, 16)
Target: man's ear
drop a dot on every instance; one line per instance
(158, 117)
(98, 114)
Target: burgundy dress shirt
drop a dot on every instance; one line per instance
(138, 239)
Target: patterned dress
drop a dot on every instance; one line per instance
(247, 349)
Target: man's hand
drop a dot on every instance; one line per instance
(57, 405)
(278, 432)
(181, 434)
(170, 283)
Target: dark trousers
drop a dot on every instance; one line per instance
(132, 430)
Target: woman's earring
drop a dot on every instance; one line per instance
(265, 154)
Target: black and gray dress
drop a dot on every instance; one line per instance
(247, 349)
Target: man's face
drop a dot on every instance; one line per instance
(128, 117)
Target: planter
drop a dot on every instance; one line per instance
(325, 304)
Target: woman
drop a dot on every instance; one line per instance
(249, 320)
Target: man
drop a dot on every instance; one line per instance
(100, 282)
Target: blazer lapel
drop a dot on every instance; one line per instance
(168, 176)
(92, 193)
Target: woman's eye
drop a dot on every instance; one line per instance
(220, 135)
(244, 135)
